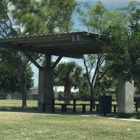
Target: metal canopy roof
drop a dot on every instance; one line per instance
(67, 44)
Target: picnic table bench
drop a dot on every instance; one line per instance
(74, 103)
(64, 106)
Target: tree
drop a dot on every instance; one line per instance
(9, 79)
(40, 17)
(123, 49)
(97, 18)
(94, 19)
(19, 65)
(28, 78)
(7, 30)
(121, 44)
(6, 26)
(107, 84)
(83, 87)
(92, 65)
(44, 16)
(68, 75)
(135, 26)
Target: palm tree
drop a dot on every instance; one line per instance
(68, 75)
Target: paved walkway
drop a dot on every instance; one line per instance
(129, 119)
(123, 119)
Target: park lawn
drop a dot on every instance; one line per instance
(26, 125)
(17, 104)
(35, 126)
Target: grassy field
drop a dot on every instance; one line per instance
(34, 126)
(16, 104)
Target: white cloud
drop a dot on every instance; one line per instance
(64, 60)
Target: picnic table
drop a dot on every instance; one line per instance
(74, 102)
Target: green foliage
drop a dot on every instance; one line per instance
(83, 94)
(94, 17)
(116, 46)
(100, 91)
(67, 75)
(94, 74)
(28, 78)
(122, 48)
(44, 16)
(113, 25)
(6, 27)
(107, 83)
(67, 72)
(97, 17)
(135, 21)
(60, 95)
(10, 79)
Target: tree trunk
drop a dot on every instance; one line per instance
(23, 89)
(92, 94)
(24, 104)
(67, 92)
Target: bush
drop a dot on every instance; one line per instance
(60, 95)
(83, 94)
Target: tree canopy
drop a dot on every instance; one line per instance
(122, 48)
(10, 80)
(68, 74)
(113, 27)
(44, 16)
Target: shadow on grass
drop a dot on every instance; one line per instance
(19, 109)
(35, 110)
(70, 112)
(127, 115)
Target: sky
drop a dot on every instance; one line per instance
(106, 3)
(110, 3)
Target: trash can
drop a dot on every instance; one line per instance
(104, 105)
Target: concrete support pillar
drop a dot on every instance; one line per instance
(125, 96)
(45, 88)
(45, 83)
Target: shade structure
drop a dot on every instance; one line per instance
(67, 44)
(72, 45)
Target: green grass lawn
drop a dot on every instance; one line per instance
(35, 126)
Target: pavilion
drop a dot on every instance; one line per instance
(73, 45)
